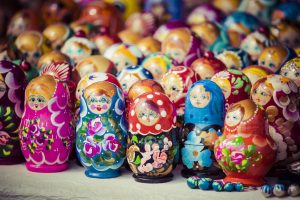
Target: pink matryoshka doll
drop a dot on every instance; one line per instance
(245, 151)
(182, 46)
(279, 96)
(152, 143)
(235, 85)
(12, 88)
(207, 66)
(176, 84)
(46, 132)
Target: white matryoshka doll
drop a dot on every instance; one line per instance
(46, 133)
(203, 123)
(101, 130)
(152, 143)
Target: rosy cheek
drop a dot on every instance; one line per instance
(31, 104)
(104, 106)
(93, 107)
(41, 105)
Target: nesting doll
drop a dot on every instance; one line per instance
(158, 64)
(274, 57)
(255, 72)
(162, 31)
(203, 123)
(130, 75)
(286, 11)
(104, 41)
(245, 151)
(182, 46)
(176, 84)
(101, 130)
(235, 85)
(129, 37)
(55, 35)
(78, 47)
(148, 45)
(205, 12)
(207, 66)
(46, 131)
(234, 58)
(238, 25)
(287, 33)
(152, 143)
(279, 96)
(208, 32)
(291, 70)
(124, 55)
(12, 89)
(141, 23)
(227, 6)
(126, 7)
(53, 56)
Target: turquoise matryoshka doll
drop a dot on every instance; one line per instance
(203, 123)
(101, 131)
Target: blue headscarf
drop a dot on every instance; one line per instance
(212, 113)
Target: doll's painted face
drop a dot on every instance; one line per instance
(122, 61)
(271, 59)
(176, 50)
(261, 96)
(173, 86)
(156, 66)
(230, 59)
(252, 47)
(225, 86)
(199, 97)
(234, 117)
(88, 68)
(292, 73)
(2, 87)
(205, 71)
(127, 81)
(37, 102)
(78, 51)
(148, 114)
(99, 104)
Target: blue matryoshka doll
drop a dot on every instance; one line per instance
(203, 123)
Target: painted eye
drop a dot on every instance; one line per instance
(79, 51)
(124, 85)
(103, 100)
(234, 117)
(32, 99)
(174, 88)
(297, 74)
(263, 62)
(93, 100)
(256, 48)
(195, 97)
(39, 100)
(286, 73)
(271, 65)
(126, 63)
(204, 97)
(69, 51)
(36, 54)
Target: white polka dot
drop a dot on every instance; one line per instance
(149, 96)
(138, 126)
(159, 102)
(158, 127)
(132, 113)
(130, 126)
(174, 120)
(136, 100)
(163, 113)
(157, 93)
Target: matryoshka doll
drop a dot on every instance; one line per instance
(235, 85)
(101, 130)
(207, 66)
(176, 84)
(208, 32)
(53, 56)
(182, 46)
(274, 57)
(123, 55)
(152, 143)
(141, 23)
(226, 6)
(148, 45)
(12, 88)
(287, 33)
(129, 75)
(104, 40)
(279, 96)
(158, 64)
(126, 7)
(46, 131)
(286, 11)
(291, 70)
(129, 37)
(245, 151)
(255, 72)
(234, 58)
(203, 123)
(162, 31)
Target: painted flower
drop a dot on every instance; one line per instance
(95, 126)
(110, 143)
(91, 148)
(160, 158)
(218, 154)
(237, 157)
(167, 144)
(4, 138)
(281, 145)
(33, 129)
(145, 168)
(194, 153)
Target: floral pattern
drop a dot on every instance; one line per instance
(95, 126)
(195, 155)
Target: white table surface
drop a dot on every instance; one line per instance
(18, 183)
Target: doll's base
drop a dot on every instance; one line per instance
(214, 174)
(104, 174)
(154, 179)
(47, 168)
(11, 161)
(246, 182)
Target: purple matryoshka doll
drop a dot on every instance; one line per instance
(203, 123)
(12, 89)
(101, 130)
(182, 46)
(46, 131)
(235, 85)
(279, 96)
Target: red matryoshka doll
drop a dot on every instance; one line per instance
(235, 85)
(12, 89)
(207, 66)
(124, 55)
(55, 35)
(279, 96)
(141, 23)
(46, 130)
(176, 84)
(274, 57)
(245, 151)
(148, 45)
(255, 72)
(152, 143)
(291, 70)
(208, 32)
(53, 56)
(182, 46)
